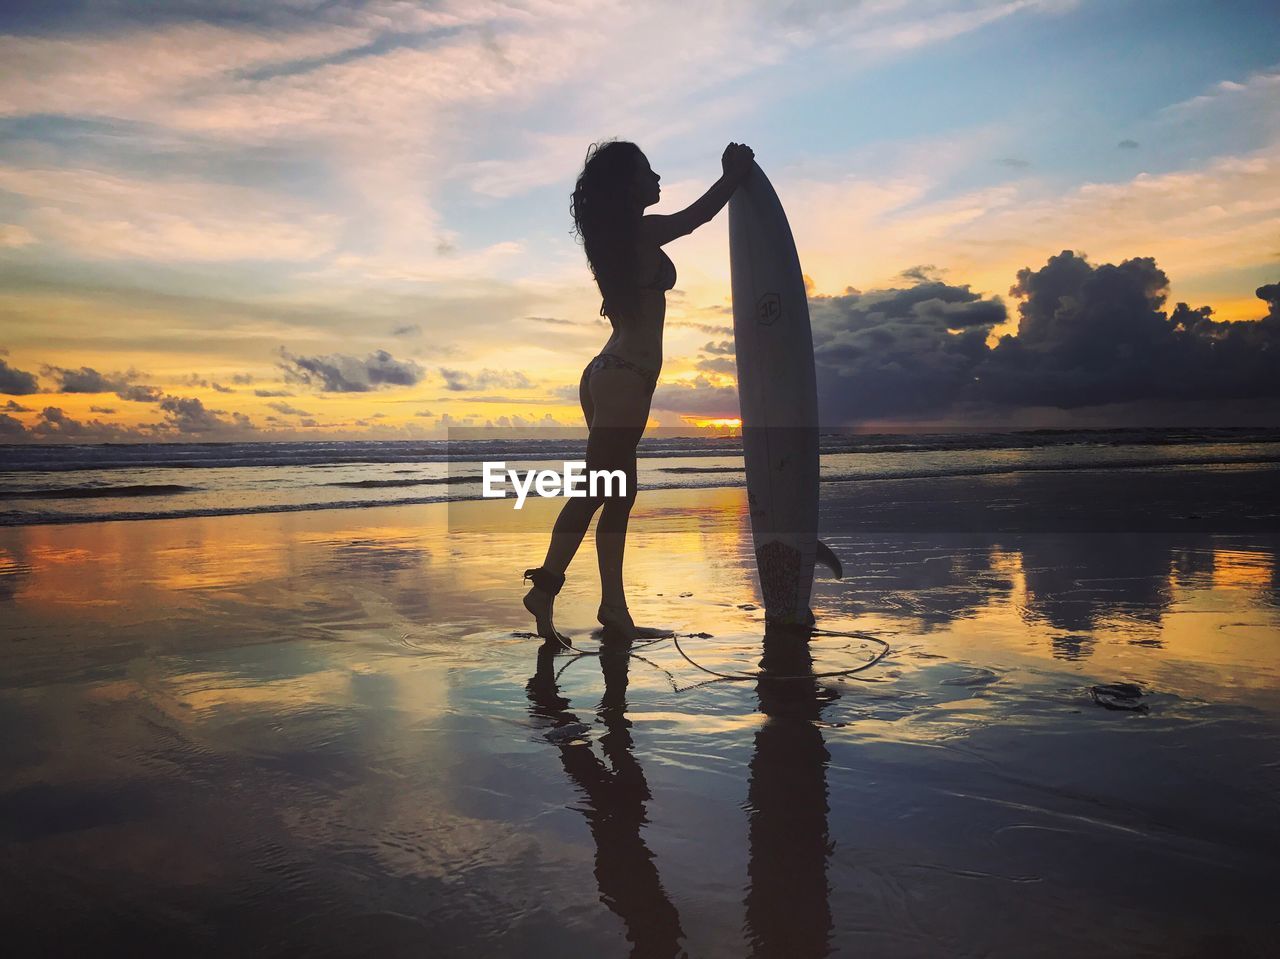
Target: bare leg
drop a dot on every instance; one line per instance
(617, 451)
(566, 536)
(611, 541)
(616, 406)
(611, 544)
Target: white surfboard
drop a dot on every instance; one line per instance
(778, 399)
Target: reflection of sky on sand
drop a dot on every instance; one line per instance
(333, 717)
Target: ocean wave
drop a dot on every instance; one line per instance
(467, 488)
(391, 484)
(108, 456)
(99, 492)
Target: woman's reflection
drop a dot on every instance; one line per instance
(788, 909)
(615, 805)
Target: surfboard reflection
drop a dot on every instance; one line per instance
(788, 906)
(615, 806)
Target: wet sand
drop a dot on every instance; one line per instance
(328, 733)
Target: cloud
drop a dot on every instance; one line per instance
(722, 359)
(17, 382)
(9, 426)
(515, 420)
(1092, 335)
(1128, 144)
(424, 413)
(140, 394)
(88, 380)
(1014, 162)
(101, 214)
(460, 380)
(102, 409)
(1087, 336)
(448, 419)
(13, 406)
(898, 351)
(54, 423)
(222, 389)
(188, 415)
(339, 373)
(699, 396)
(288, 410)
(408, 329)
(272, 393)
(12, 235)
(718, 364)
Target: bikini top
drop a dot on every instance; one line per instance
(664, 279)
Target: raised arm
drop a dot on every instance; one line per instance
(737, 163)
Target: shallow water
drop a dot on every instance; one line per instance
(327, 732)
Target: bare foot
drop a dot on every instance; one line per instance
(617, 620)
(541, 605)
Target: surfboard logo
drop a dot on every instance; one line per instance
(768, 309)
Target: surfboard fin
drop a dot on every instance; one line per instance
(829, 559)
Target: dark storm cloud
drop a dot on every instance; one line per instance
(1091, 335)
(339, 373)
(898, 351)
(17, 382)
(461, 381)
(10, 426)
(1087, 335)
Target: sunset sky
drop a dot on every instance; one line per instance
(303, 219)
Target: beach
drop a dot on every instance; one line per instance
(330, 732)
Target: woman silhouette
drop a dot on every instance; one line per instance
(624, 250)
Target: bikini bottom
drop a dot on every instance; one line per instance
(612, 361)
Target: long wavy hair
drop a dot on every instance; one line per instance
(604, 218)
